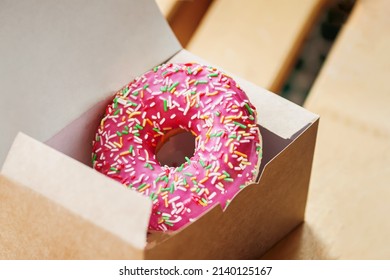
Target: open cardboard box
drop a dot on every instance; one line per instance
(61, 63)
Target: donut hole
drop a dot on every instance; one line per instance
(175, 146)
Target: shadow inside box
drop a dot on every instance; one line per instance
(75, 140)
(300, 244)
(273, 144)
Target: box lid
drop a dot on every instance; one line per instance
(58, 58)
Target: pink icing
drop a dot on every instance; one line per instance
(195, 98)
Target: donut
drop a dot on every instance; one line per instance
(169, 99)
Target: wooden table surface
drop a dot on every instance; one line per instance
(348, 207)
(255, 39)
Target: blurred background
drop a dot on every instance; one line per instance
(332, 57)
(279, 45)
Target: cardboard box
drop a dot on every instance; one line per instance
(55, 81)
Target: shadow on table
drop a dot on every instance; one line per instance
(301, 244)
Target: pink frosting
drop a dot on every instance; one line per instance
(201, 100)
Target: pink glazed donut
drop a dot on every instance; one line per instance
(170, 98)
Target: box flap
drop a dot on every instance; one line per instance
(83, 191)
(58, 58)
(34, 227)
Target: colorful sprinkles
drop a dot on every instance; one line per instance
(201, 100)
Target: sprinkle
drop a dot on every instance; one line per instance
(148, 165)
(153, 196)
(203, 180)
(203, 202)
(149, 122)
(139, 126)
(165, 105)
(213, 75)
(125, 90)
(132, 103)
(163, 89)
(143, 187)
(212, 93)
(188, 160)
(114, 169)
(201, 82)
(134, 114)
(124, 153)
(240, 124)
(173, 86)
(250, 111)
(172, 188)
(240, 154)
(180, 168)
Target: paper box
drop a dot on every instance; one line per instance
(60, 65)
